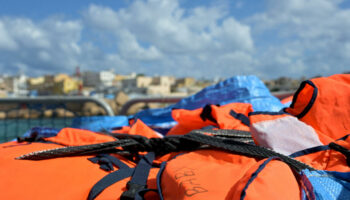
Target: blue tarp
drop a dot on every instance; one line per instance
(41, 132)
(246, 89)
(328, 185)
(100, 123)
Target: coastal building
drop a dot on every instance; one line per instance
(16, 85)
(98, 79)
(64, 85)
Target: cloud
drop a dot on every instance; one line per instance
(6, 42)
(153, 36)
(288, 38)
(318, 31)
(171, 37)
(48, 46)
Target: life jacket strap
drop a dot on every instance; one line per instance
(138, 181)
(109, 180)
(237, 135)
(107, 162)
(239, 116)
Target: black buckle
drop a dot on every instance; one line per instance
(132, 190)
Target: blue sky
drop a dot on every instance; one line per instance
(202, 38)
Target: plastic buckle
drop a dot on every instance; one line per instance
(132, 190)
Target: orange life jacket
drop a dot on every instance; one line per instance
(287, 100)
(63, 178)
(210, 174)
(323, 103)
(189, 120)
(139, 128)
(229, 116)
(192, 174)
(286, 134)
(200, 174)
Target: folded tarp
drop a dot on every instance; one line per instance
(246, 89)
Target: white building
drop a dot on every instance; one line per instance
(17, 85)
(137, 82)
(164, 81)
(98, 79)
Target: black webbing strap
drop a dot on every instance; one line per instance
(245, 149)
(109, 180)
(139, 178)
(77, 150)
(107, 162)
(241, 117)
(137, 183)
(238, 135)
(192, 141)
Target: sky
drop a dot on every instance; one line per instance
(198, 38)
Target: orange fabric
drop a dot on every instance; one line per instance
(139, 128)
(302, 100)
(330, 113)
(188, 120)
(275, 181)
(287, 100)
(264, 117)
(226, 121)
(324, 138)
(60, 178)
(203, 174)
(330, 160)
(209, 174)
(76, 137)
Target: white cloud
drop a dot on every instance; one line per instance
(49, 46)
(153, 36)
(171, 37)
(42, 47)
(315, 31)
(129, 48)
(6, 42)
(44, 56)
(303, 38)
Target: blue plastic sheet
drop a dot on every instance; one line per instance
(100, 123)
(328, 185)
(246, 89)
(41, 132)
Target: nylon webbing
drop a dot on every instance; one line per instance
(107, 162)
(237, 135)
(138, 180)
(245, 149)
(76, 150)
(192, 141)
(109, 180)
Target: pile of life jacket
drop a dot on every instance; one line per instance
(214, 152)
